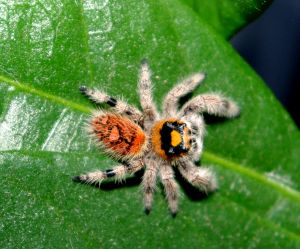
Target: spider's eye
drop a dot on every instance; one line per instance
(171, 138)
(175, 138)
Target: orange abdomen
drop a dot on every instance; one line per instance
(118, 134)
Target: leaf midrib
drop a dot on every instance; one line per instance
(210, 156)
(56, 99)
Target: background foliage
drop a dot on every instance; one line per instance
(48, 49)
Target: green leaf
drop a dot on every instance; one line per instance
(49, 48)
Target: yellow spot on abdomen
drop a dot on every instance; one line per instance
(175, 138)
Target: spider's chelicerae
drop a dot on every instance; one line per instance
(154, 141)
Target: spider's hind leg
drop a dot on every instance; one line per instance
(118, 105)
(170, 186)
(118, 172)
(149, 182)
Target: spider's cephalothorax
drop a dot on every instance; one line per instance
(171, 138)
(154, 141)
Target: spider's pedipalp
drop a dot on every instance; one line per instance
(212, 104)
(118, 172)
(171, 100)
(197, 127)
(149, 182)
(145, 92)
(170, 186)
(118, 105)
(200, 177)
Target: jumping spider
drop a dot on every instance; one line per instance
(154, 141)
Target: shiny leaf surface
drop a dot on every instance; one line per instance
(49, 48)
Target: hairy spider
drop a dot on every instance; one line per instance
(154, 141)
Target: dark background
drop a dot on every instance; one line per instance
(271, 45)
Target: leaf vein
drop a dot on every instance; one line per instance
(251, 173)
(56, 99)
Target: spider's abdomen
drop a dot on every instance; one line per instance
(170, 138)
(118, 135)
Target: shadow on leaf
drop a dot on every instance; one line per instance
(192, 193)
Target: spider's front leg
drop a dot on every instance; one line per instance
(185, 87)
(200, 177)
(145, 92)
(214, 104)
(118, 172)
(118, 105)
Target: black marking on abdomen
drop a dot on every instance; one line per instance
(126, 139)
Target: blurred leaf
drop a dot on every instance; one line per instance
(50, 48)
(228, 16)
